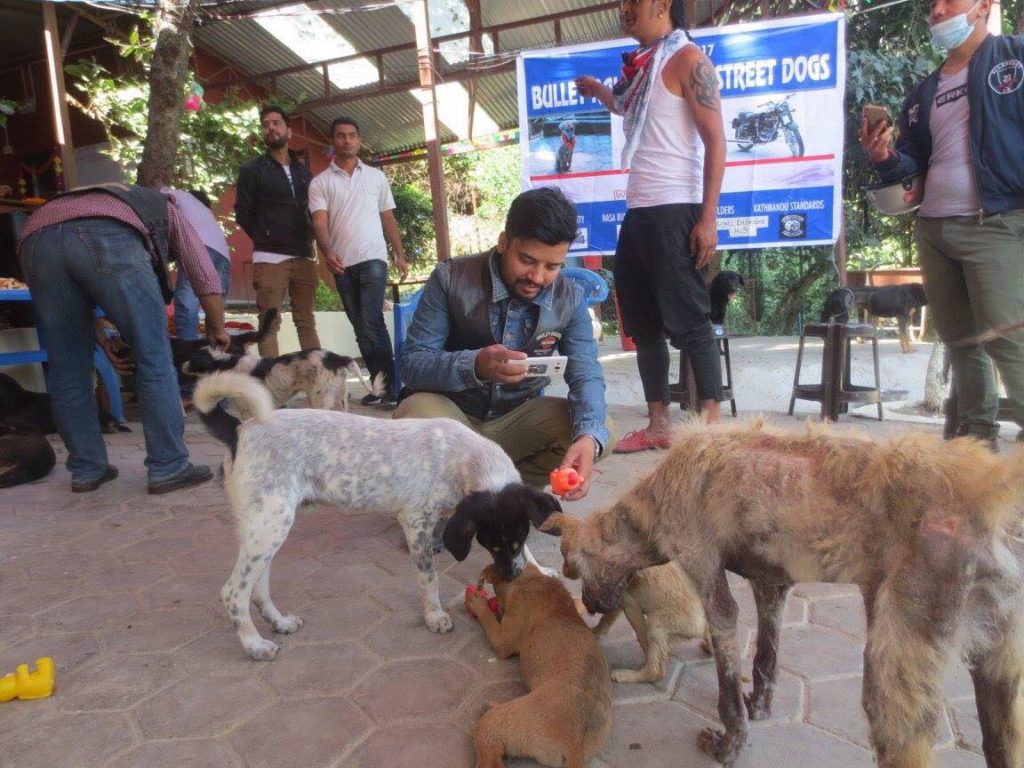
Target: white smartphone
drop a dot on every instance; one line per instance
(543, 366)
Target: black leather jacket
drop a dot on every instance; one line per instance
(274, 215)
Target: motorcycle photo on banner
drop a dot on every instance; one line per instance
(782, 87)
(768, 123)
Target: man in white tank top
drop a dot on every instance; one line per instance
(675, 150)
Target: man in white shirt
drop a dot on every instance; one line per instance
(353, 213)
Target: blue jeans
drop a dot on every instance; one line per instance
(186, 306)
(361, 288)
(71, 268)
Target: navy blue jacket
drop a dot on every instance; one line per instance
(995, 93)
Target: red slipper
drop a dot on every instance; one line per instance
(637, 441)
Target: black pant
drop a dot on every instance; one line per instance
(662, 295)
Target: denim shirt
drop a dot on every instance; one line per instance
(426, 365)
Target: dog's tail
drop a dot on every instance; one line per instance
(376, 386)
(247, 394)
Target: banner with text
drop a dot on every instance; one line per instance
(782, 85)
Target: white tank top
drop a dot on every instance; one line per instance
(668, 166)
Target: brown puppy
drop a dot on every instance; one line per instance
(663, 610)
(926, 528)
(567, 715)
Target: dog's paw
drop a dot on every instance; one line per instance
(288, 624)
(262, 650)
(721, 745)
(757, 709)
(439, 622)
(630, 676)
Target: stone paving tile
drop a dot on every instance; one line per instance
(697, 688)
(415, 745)
(16, 629)
(410, 689)
(300, 734)
(332, 620)
(68, 650)
(198, 753)
(966, 725)
(70, 741)
(319, 670)
(844, 614)
(812, 652)
(116, 681)
(203, 706)
(655, 735)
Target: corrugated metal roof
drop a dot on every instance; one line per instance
(394, 122)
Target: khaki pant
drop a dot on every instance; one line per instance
(974, 277)
(535, 435)
(298, 277)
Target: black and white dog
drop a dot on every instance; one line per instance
(416, 469)
(899, 301)
(183, 350)
(321, 375)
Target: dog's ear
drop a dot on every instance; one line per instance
(556, 524)
(540, 506)
(461, 527)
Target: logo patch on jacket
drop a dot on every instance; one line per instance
(913, 114)
(546, 343)
(1006, 76)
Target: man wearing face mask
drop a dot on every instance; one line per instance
(963, 126)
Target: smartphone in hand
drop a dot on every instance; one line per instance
(876, 113)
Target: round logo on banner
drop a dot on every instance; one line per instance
(1006, 76)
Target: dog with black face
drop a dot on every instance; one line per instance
(722, 289)
(500, 522)
(899, 301)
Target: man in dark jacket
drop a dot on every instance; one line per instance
(272, 208)
(962, 126)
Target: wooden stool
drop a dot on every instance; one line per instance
(685, 392)
(835, 389)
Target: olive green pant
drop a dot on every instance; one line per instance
(535, 435)
(974, 277)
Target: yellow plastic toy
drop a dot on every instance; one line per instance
(25, 685)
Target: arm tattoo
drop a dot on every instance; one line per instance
(704, 83)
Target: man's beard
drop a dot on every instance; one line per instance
(275, 142)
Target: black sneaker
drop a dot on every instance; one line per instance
(371, 400)
(92, 485)
(191, 475)
(388, 400)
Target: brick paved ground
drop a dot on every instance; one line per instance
(122, 590)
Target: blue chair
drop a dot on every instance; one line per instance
(403, 312)
(595, 287)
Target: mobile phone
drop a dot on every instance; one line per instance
(875, 113)
(543, 366)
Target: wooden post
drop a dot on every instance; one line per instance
(58, 96)
(428, 98)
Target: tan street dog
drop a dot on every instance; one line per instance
(663, 610)
(567, 715)
(926, 528)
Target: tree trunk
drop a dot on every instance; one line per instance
(786, 311)
(167, 76)
(936, 382)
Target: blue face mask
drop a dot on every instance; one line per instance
(952, 33)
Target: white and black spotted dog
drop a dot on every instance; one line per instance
(419, 470)
(321, 375)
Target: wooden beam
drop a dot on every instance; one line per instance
(403, 86)
(431, 129)
(58, 96)
(411, 46)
